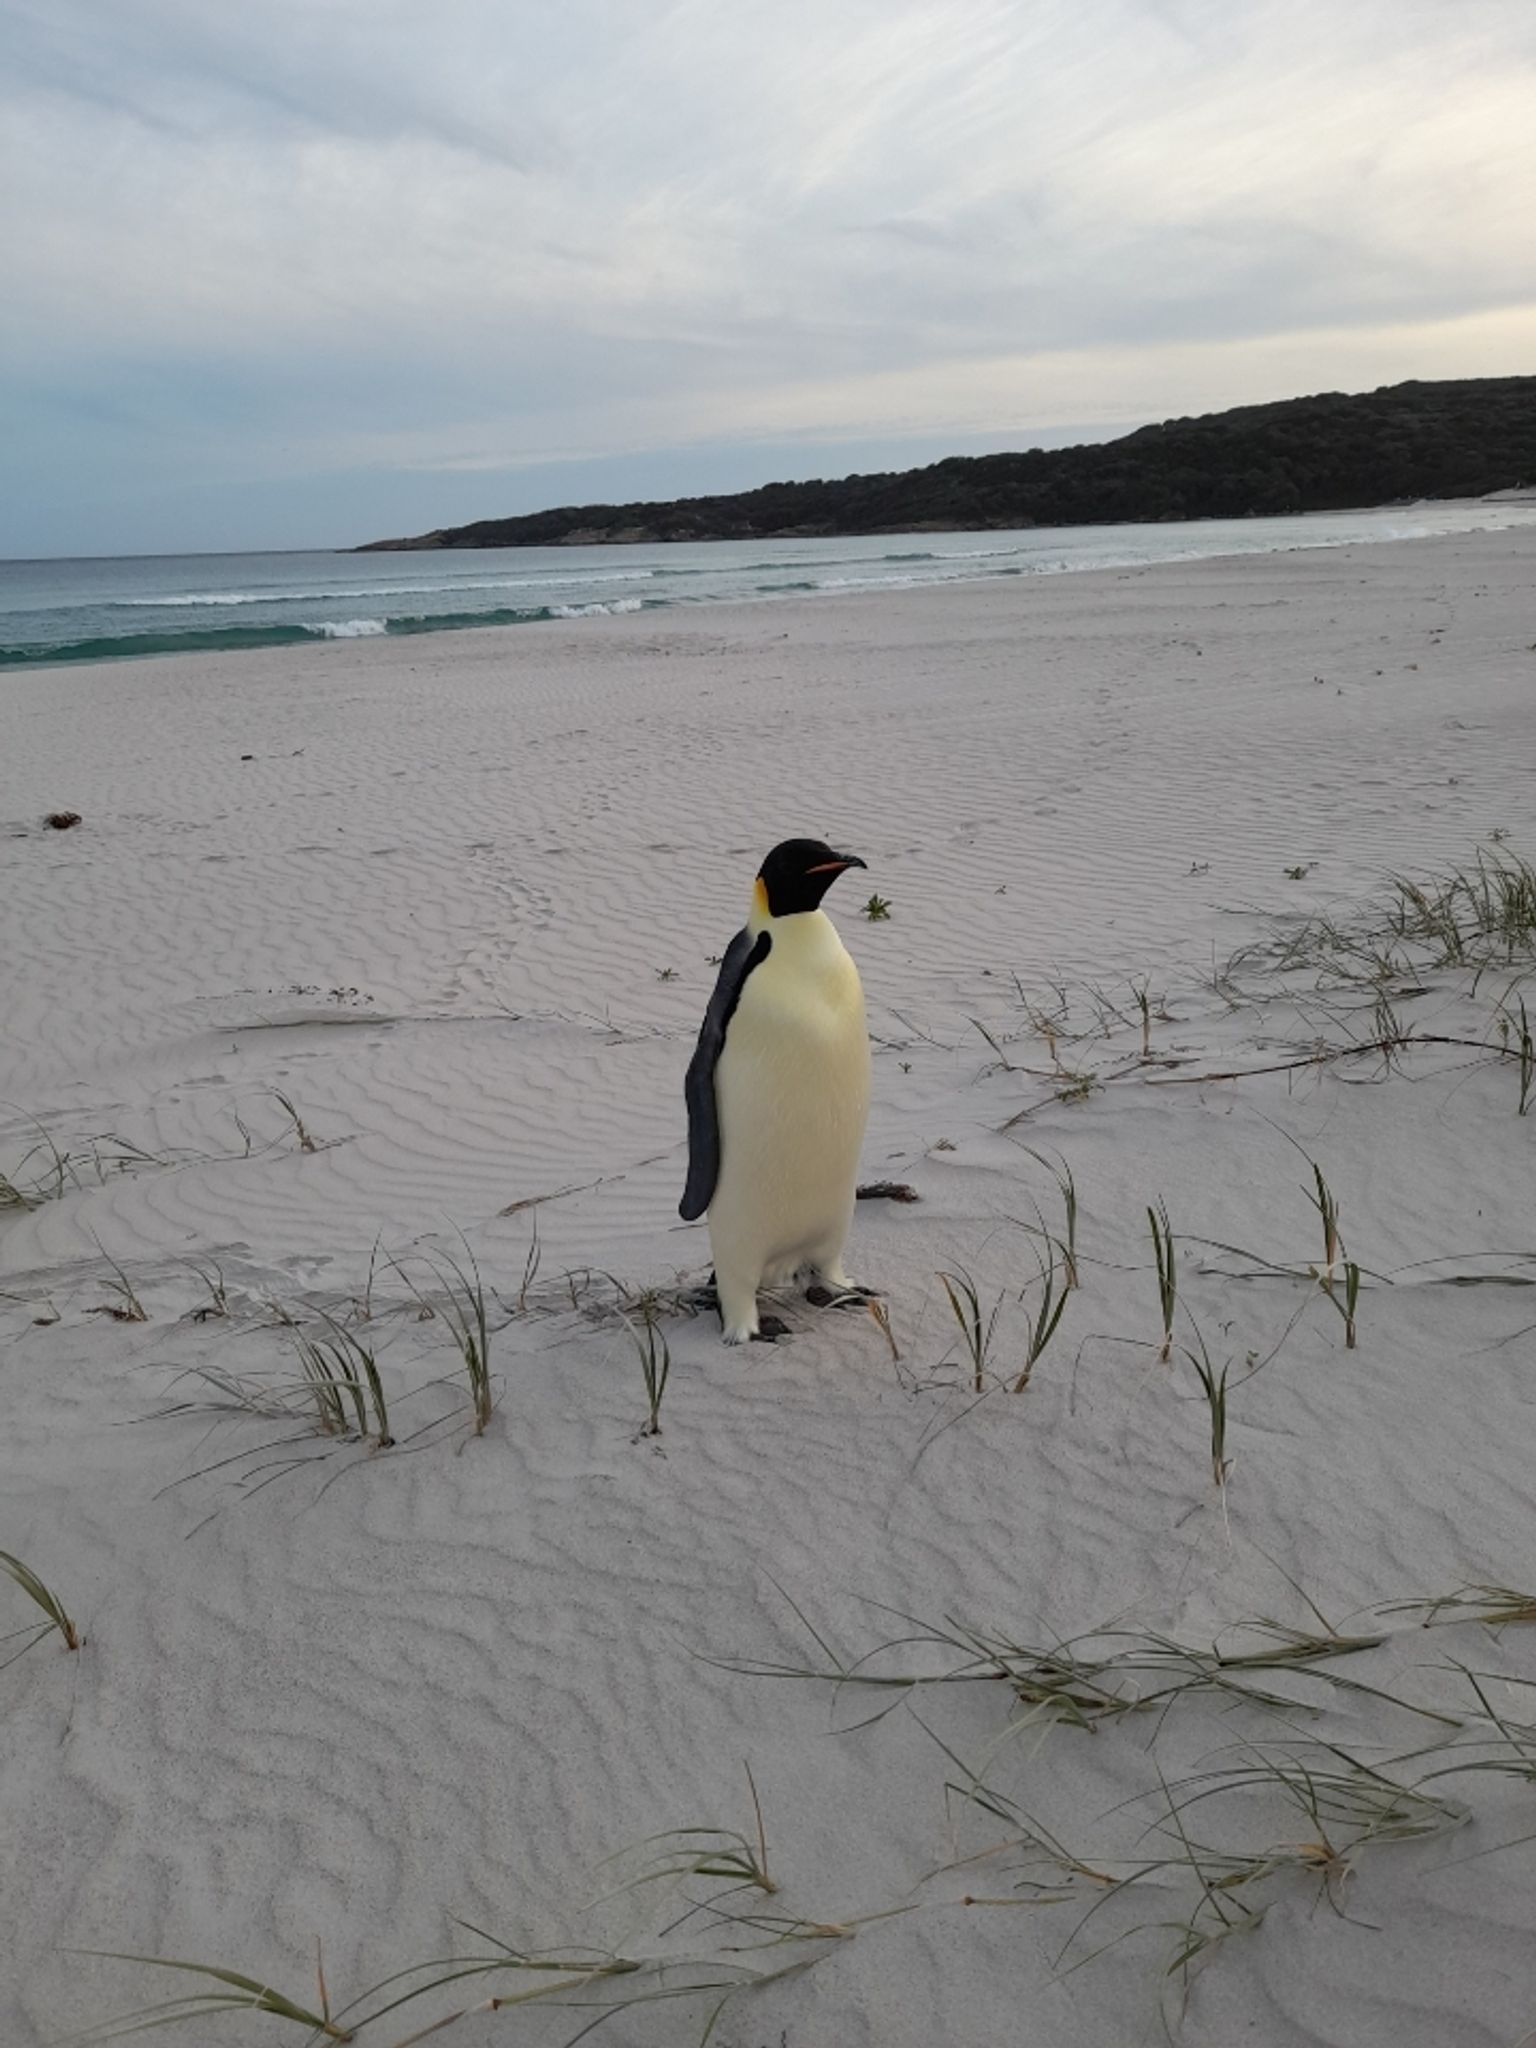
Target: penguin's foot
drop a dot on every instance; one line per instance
(766, 1330)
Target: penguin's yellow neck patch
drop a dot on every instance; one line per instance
(760, 908)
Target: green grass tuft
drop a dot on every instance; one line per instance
(1166, 1256)
(42, 1597)
(976, 1329)
(655, 1357)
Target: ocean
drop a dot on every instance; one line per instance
(105, 608)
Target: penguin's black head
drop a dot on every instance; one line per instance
(798, 873)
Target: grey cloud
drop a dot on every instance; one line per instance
(369, 232)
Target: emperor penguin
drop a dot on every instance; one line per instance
(778, 1091)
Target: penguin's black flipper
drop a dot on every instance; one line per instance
(741, 956)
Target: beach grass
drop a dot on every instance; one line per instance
(307, 1142)
(1051, 1267)
(1213, 1389)
(126, 1307)
(1497, 1607)
(1165, 1255)
(1514, 1028)
(531, 1263)
(737, 1859)
(1102, 1674)
(216, 1307)
(1478, 916)
(976, 1327)
(236, 1993)
(342, 1379)
(1345, 1806)
(1323, 1200)
(1003, 1061)
(462, 1306)
(655, 1356)
(1066, 1188)
(574, 1979)
(55, 1614)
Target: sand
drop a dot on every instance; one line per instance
(455, 899)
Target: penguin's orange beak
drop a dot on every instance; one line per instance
(837, 866)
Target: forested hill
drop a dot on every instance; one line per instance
(1337, 450)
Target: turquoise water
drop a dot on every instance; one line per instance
(98, 610)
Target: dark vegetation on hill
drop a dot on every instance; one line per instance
(1337, 450)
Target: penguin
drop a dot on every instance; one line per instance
(778, 1092)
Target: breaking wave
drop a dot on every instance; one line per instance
(234, 639)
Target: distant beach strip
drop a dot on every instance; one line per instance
(106, 609)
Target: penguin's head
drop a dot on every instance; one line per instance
(798, 873)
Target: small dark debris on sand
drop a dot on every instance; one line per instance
(888, 1191)
(62, 820)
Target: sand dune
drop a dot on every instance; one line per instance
(458, 909)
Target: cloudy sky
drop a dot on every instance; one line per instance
(301, 272)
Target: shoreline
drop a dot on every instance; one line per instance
(236, 637)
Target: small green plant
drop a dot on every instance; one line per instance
(1101, 1674)
(1002, 1058)
(1321, 1196)
(1515, 1025)
(348, 1367)
(325, 1376)
(1213, 1386)
(464, 1308)
(713, 1852)
(301, 1131)
(217, 1304)
(364, 1305)
(27, 1185)
(127, 1308)
(1300, 872)
(1066, 1187)
(1142, 992)
(51, 1606)
(666, 974)
(341, 1376)
(655, 1357)
(549, 1976)
(239, 1994)
(880, 1315)
(531, 1265)
(375, 1385)
(976, 1330)
(1042, 1325)
(1166, 1256)
(877, 909)
(1496, 1606)
(1351, 1296)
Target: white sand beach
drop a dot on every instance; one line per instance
(374, 956)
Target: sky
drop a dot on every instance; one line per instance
(297, 273)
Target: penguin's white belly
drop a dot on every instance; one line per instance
(792, 1088)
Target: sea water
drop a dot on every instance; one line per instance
(103, 608)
